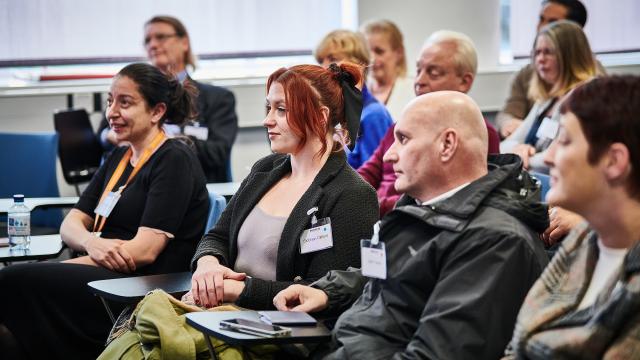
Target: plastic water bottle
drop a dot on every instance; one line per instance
(19, 224)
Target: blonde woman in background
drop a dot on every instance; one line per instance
(562, 59)
(388, 83)
(375, 120)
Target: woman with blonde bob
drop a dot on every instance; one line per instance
(562, 59)
(586, 304)
(389, 83)
(346, 45)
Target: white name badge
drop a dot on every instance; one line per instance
(374, 259)
(548, 129)
(171, 129)
(107, 205)
(317, 238)
(200, 133)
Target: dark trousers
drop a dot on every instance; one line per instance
(50, 311)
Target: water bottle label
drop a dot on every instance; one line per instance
(19, 226)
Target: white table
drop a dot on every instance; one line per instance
(33, 203)
(225, 189)
(42, 247)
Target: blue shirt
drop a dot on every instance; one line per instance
(374, 122)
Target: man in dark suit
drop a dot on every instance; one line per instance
(168, 47)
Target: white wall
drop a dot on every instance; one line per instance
(419, 18)
(35, 113)
(416, 18)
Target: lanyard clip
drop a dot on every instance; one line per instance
(376, 230)
(311, 211)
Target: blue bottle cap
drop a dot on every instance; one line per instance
(19, 198)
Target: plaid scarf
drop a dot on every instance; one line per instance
(549, 324)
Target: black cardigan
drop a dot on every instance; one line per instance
(337, 191)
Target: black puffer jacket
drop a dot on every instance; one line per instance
(457, 273)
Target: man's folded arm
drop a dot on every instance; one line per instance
(343, 287)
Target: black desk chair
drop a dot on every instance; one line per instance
(78, 147)
(131, 290)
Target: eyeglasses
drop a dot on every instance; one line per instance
(161, 38)
(544, 52)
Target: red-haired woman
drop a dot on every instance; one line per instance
(301, 211)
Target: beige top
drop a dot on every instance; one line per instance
(400, 96)
(258, 241)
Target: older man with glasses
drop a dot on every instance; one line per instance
(213, 133)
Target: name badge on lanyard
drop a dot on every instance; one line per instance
(109, 198)
(106, 206)
(548, 129)
(373, 256)
(197, 131)
(318, 237)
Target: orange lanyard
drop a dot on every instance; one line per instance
(115, 177)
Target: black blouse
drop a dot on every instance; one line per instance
(168, 194)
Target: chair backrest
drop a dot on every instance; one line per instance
(79, 149)
(544, 184)
(216, 206)
(28, 163)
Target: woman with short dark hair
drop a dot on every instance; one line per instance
(586, 304)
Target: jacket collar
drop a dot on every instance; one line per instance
(282, 166)
(263, 179)
(455, 212)
(299, 220)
